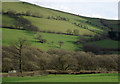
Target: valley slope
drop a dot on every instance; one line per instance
(54, 26)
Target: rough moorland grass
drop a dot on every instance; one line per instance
(11, 35)
(22, 8)
(107, 43)
(66, 78)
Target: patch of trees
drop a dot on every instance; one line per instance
(74, 32)
(84, 26)
(11, 61)
(102, 21)
(40, 38)
(55, 59)
(10, 13)
(89, 22)
(22, 23)
(49, 31)
(83, 40)
(69, 31)
(58, 18)
(19, 46)
(13, 13)
(89, 47)
(33, 14)
(98, 49)
(92, 48)
(114, 35)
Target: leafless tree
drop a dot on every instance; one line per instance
(19, 45)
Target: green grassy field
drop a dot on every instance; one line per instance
(56, 25)
(11, 35)
(107, 43)
(66, 78)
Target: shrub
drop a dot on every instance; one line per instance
(60, 43)
(43, 40)
(69, 31)
(39, 37)
(76, 32)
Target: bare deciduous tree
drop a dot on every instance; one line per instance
(19, 46)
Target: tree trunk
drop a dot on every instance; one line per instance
(20, 61)
(21, 71)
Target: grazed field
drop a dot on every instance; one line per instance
(56, 25)
(11, 35)
(107, 43)
(66, 78)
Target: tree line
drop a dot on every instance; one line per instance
(23, 57)
(89, 47)
(58, 18)
(84, 26)
(21, 22)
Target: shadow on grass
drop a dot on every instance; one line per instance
(36, 41)
(30, 33)
(73, 42)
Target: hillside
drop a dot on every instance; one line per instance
(53, 25)
(55, 18)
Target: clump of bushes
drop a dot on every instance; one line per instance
(40, 38)
(58, 18)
